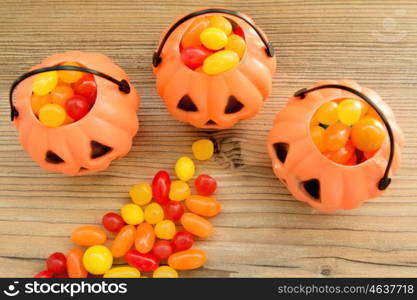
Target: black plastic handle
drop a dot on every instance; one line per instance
(385, 181)
(156, 59)
(123, 84)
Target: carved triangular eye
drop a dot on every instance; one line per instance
(233, 105)
(312, 187)
(281, 151)
(53, 158)
(187, 104)
(98, 149)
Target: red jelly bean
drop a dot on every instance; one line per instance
(205, 185)
(77, 107)
(56, 263)
(161, 184)
(162, 249)
(194, 56)
(144, 262)
(173, 210)
(183, 240)
(86, 87)
(113, 222)
(44, 274)
(239, 31)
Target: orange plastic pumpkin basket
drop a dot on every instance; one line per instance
(91, 143)
(214, 101)
(308, 174)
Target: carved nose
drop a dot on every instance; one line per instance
(211, 123)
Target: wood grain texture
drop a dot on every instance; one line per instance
(262, 230)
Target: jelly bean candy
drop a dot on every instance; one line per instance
(349, 111)
(113, 222)
(192, 35)
(336, 136)
(132, 214)
(373, 114)
(97, 259)
(202, 205)
(342, 155)
(63, 275)
(368, 134)
(70, 76)
(68, 120)
(123, 241)
(154, 213)
(194, 56)
(37, 102)
(77, 107)
(88, 236)
(187, 260)
(184, 168)
(162, 249)
(144, 238)
(327, 113)
(179, 190)
(61, 94)
(205, 185)
(52, 115)
(44, 274)
(369, 154)
(203, 149)
(45, 83)
(86, 87)
(56, 263)
(352, 160)
(196, 225)
(173, 211)
(236, 44)
(314, 121)
(317, 135)
(75, 267)
(221, 23)
(122, 272)
(141, 193)
(220, 61)
(213, 38)
(183, 240)
(161, 184)
(239, 32)
(165, 229)
(144, 262)
(165, 272)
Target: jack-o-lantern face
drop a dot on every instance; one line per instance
(91, 143)
(308, 174)
(214, 101)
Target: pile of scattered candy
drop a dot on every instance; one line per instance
(347, 131)
(146, 231)
(62, 97)
(212, 45)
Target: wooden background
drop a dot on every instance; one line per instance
(262, 230)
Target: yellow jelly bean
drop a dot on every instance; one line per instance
(141, 193)
(327, 113)
(213, 38)
(154, 213)
(237, 44)
(45, 83)
(184, 168)
(220, 61)
(179, 190)
(165, 230)
(203, 149)
(221, 23)
(39, 101)
(165, 272)
(132, 214)
(52, 115)
(349, 111)
(97, 259)
(70, 76)
(122, 272)
(317, 135)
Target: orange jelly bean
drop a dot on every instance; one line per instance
(88, 236)
(192, 35)
(61, 94)
(38, 101)
(144, 238)
(75, 267)
(123, 241)
(203, 206)
(336, 136)
(317, 135)
(342, 155)
(368, 134)
(196, 225)
(70, 76)
(187, 260)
